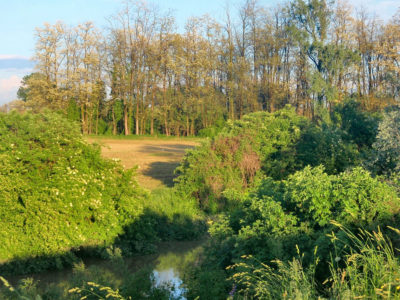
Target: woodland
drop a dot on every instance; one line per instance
(143, 76)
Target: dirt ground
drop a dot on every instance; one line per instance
(156, 158)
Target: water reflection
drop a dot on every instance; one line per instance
(170, 266)
(172, 280)
(166, 269)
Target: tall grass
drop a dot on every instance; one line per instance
(171, 203)
(278, 280)
(179, 217)
(369, 269)
(366, 268)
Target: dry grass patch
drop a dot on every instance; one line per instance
(156, 158)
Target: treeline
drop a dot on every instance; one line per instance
(142, 76)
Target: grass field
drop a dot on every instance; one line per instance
(156, 158)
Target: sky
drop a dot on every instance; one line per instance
(19, 18)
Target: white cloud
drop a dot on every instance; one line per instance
(8, 88)
(6, 73)
(13, 56)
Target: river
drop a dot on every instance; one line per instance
(167, 266)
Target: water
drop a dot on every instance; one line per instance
(170, 264)
(167, 266)
(172, 279)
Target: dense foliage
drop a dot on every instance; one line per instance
(279, 215)
(58, 195)
(359, 126)
(310, 178)
(272, 144)
(280, 219)
(57, 192)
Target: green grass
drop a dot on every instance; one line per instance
(168, 201)
(162, 154)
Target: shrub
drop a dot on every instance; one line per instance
(280, 218)
(56, 191)
(272, 144)
(352, 197)
(358, 126)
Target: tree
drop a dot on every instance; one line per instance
(312, 54)
(386, 157)
(24, 89)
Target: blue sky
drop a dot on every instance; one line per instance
(19, 18)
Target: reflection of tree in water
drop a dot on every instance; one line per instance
(139, 274)
(178, 261)
(171, 266)
(171, 280)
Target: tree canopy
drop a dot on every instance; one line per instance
(141, 76)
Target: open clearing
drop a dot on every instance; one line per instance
(156, 158)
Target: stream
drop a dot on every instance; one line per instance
(167, 266)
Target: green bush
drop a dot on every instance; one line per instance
(352, 197)
(56, 192)
(358, 125)
(299, 210)
(280, 218)
(213, 130)
(219, 172)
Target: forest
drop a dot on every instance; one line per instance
(292, 189)
(143, 76)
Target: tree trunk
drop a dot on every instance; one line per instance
(114, 123)
(152, 111)
(97, 119)
(83, 118)
(187, 126)
(137, 117)
(126, 121)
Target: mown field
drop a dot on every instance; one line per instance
(155, 158)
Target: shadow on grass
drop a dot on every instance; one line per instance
(163, 171)
(139, 237)
(167, 148)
